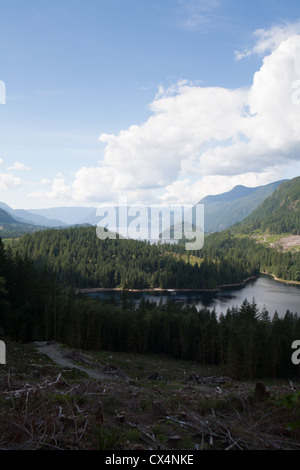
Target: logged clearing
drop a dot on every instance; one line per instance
(289, 242)
(53, 397)
(281, 242)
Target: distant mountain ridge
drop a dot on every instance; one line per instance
(221, 211)
(237, 192)
(226, 209)
(12, 227)
(26, 216)
(6, 218)
(69, 215)
(277, 214)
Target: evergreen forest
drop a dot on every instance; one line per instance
(245, 342)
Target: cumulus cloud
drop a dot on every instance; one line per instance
(45, 182)
(201, 140)
(18, 166)
(7, 181)
(59, 191)
(184, 191)
(267, 40)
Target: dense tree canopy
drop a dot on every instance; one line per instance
(279, 213)
(244, 342)
(80, 259)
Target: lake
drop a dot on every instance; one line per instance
(267, 292)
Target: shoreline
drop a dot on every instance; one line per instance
(282, 281)
(96, 290)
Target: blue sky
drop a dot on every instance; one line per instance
(164, 85)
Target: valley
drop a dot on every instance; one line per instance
(149, 229)
(174, 363)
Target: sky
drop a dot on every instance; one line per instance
(158, 101)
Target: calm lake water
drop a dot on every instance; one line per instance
(265, 290)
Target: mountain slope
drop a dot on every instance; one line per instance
(10, 227)
(68, 215)
(278, 214)
(224, 210)
(221, 211)
(6, 218)
(26, 216)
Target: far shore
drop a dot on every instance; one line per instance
(96, 290)
(283, 281)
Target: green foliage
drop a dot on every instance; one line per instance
(39, 272)
(279, 213)
(27, 298)
(12, 228)
(224, 210)
(108, 438)
(244, 341)
(79, 259)
(291, 400)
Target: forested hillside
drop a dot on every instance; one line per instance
(243, 341)
(279, 213)
(260, 258)
(39, 272)
(224, 210)
(26, 295)
(80, 259)
(10, 227)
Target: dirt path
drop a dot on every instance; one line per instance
(57, 354)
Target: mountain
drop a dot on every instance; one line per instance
(277, 214)
(69, 215)
(10, 227)
(6, 218)
(37, 219)
(26, 216)
(83, 260)
(223, 210)
(269, 237)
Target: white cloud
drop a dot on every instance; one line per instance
(18, 166)
(267, 40)
(94, 184)
(216, 184)
(45, 182)
(59, 191)
(203, 131)
(201, 140)
(7, 181)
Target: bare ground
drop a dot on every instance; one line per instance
(53, 397)
(59, 355)
(289, 242)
